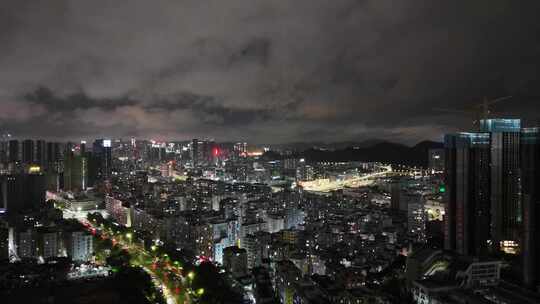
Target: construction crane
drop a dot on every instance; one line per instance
(480, 111)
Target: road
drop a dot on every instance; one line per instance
(152, 265)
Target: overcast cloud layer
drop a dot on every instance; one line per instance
(265, 71)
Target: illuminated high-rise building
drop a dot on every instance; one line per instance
(26, 244)
(416, 221)
(13, 151)
(94, 168)
(195, 152)
(436, 159)
(209, 151)
(395, 194)
(75, 172)
(28, 151)
(530, 185)
(305, 172)
(468, 192)
(82, 147)
(20, 192)
(4, 241)
(240, 149)
(41, 153)
(505, 180)
(48, 242)
(79, 246)
(203, 152)
(483, 197)
(4, 151)
(53, 154)
(102, 150)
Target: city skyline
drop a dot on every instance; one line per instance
(267, 72)
(259, 152)
(275, 228)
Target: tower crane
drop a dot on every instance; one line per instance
(481, 110)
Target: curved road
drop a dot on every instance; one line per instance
(135, 250)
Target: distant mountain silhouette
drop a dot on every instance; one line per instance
(302, 146)
(387, 152)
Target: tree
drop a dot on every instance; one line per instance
(119, 258)
(136, 286)
(210, 286)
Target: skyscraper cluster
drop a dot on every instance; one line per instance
(28, 169)
(492, 199)
(204, 152)
(67, 166)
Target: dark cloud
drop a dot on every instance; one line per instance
(78, 100)
(265, 71)
(207, 110)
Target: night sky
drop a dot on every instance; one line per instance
(271, 71)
